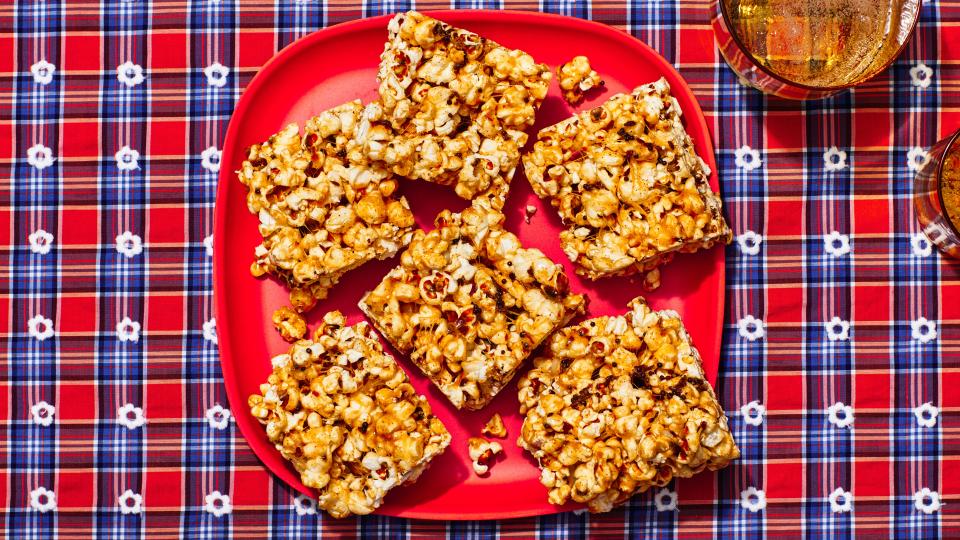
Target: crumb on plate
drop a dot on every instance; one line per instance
(482, 453)
(495, 427)
(577, 77)
(289, 324)
(528, 212)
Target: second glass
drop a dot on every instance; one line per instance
(936, 195)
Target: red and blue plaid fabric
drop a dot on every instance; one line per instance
(841, 354)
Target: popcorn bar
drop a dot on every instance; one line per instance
(628, 185)
(468, 304)
(620, 404)
(323, 209)
(453, 107)
(345, 415)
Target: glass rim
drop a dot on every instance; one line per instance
(951, 140)
(736, 38)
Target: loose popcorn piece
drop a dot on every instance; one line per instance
(628, 185)
(482, 452)
(289, 324)
(458, 104)
(468, 304)
(620, 404)
(576, 77)
(345, 415)
(495, 427)
(529, 212)
(323, 209)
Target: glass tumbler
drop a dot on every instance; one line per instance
(936, 195)
(811, 49)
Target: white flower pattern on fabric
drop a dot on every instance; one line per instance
(217, 504)
(834, 159)
(129, 245)
(927, 501)
(753, 499)
(753, 412)
(130, 74)
(210, 159)
(836, 244)
(923, 330)
(926, 414)
(43, 72)
(840, 501)
(131, 417)
(921, 75)
(208, 245)
(40, 241)
(40, 327)
(130, 502)
(920, 245)
(216, 74)
(665, 500)
(840, 415)
(43, 500)
(210, 331)
(837, 329)
(218, 417)
(747, 158)
(128, 330)
(751, 328)
(39, 156)
(917, 158)
(127, 159)
(42, 413)
(749, 243)
(305, 506)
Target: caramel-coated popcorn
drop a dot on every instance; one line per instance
(468, 304)
(345, 415)
(323, 209)
(576, 77)
(481, 453)
(529, 212)
(628, 185)
(289, 324)
(619, 404)
(453, 106)
(495, 427)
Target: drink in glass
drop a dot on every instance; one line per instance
(936, 195)
(810, 49)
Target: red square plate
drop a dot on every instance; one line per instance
(313, 75)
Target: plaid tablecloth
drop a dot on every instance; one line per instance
(841, 361)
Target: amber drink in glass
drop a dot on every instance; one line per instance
(936, 195)
(810, 49)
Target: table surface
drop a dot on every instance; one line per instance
(112, 407)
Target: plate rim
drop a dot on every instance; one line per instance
(456, 17)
